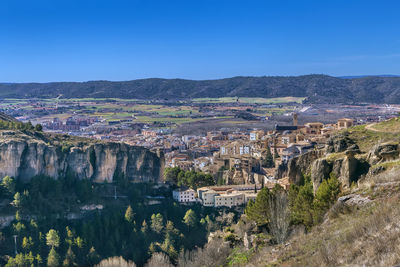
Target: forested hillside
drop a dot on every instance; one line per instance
(317, 89)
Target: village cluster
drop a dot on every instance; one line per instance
(246, 163)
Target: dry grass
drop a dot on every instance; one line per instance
(367, 138)
(366, 237)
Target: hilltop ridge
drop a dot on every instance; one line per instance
(316, 88)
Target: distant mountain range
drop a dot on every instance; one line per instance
(316, 88)
(364, 76)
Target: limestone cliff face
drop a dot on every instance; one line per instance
(25, 156)
(342, 157)
(318, 163)
(302, 165)
(347, 169)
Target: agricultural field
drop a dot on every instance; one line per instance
(251, 100)
(116, 113)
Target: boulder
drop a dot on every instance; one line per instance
(338, 143)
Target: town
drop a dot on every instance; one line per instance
(243, 143)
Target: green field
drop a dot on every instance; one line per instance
(250, 100)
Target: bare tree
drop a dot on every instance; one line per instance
(116, 262)
(159, 259)
(279, 217)
(213, 254)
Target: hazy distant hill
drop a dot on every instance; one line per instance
(317, 88)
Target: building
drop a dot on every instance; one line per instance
(184, 195)
(207, 196)
(235, 149)
(313, 127)
(344, 123)
(250, 196)
(227, 196)
(256, 135)
(229, 199)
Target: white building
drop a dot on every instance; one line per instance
(229, 199)
(207, 197)
(184, 195)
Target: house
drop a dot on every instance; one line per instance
(290, 152)
(344, 123)
(184, 195)
(235, 149)
(313, 127)
(256, 135)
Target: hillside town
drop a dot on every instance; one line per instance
(246, 163)
(243, 143)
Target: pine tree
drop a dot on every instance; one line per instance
(17, 202)
(27, 243)
(9, 184)
(259, 210)
(144, 228)
(69, 258)
(190, 218)
(53, 258)
(301, 203)
(269, 159)
(93, 257)
(157, 224)
(18, 216)
(69, 236)
(52, 238)
(129, 215)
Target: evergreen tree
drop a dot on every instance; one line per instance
(9, 184)
(70, 258)
(157, 224)
(27, 243)
(38, 127)
(17, 202)
(18, 216)
(129, 215)
(259, 210)
(52, 238)
(19, 227)
(190, 218)
(93, 257)
(326, 196)
(53, 258)
(301, 203)
(268, 161)
(69, 236)
(144, 228)
(78, 241)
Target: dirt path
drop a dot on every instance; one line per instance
(370, 127)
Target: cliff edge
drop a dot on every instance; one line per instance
(25, 154)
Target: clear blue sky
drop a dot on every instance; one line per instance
(80, 40)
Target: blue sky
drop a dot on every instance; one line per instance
(80, 40)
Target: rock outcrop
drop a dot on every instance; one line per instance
(383, 152)
(23, 156)
(320, 170)
(344, 164)
(301, 165)
(338, 143)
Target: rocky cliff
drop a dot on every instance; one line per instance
(25, 155)
(341, 157)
